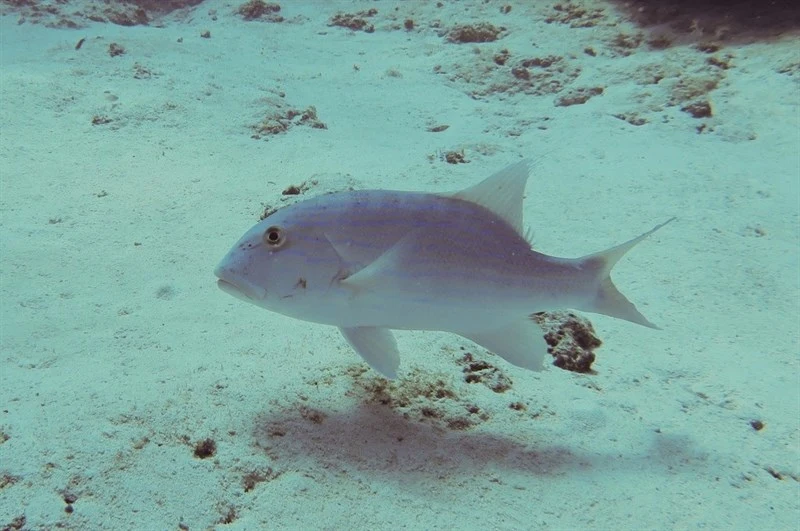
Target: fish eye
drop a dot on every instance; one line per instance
(274, 237)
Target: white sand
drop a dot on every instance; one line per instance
(119, 353)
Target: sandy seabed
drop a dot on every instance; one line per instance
(138, 142)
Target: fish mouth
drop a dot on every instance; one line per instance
(239, 288)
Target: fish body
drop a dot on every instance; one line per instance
(371, 261)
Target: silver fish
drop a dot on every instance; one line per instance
(375, 260)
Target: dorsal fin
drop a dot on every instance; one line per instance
(501, 193)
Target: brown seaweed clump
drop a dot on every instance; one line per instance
(354, 21)
(571, 338)
(483, 32)
(282, 118)
(420, 397)
(258, 9)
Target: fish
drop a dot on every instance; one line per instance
(373, 261)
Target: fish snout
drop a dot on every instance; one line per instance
(233, 284)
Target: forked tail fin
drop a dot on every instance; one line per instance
(608, 300)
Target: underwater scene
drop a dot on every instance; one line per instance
(423, 265)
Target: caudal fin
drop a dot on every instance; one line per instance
(608, 300)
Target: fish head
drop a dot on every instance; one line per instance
(284, 263)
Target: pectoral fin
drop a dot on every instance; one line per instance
(521, 343)
(377, 346)
(388, 269)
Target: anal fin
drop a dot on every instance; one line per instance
(520, 343)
